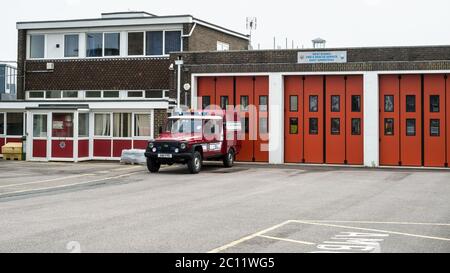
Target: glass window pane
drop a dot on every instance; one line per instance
(154, 43)
(245, 124)
(93, 94)
(37, 46)
(112, 44)
(40, 125)
(62, 125)
(263, 103)
(102, 124)
(206, 102)
(313, 103)
(411, 103)
(53, 94)
(136, 43)
(435, 127)
(389, 103)
(71, 45)
(154, 94)
(335, 103)
(313, 126)
(293, 103)
(335, 126)
(110, 94)
(293, 126)
(244, 103)
(356, 103)
(94, 44)
(83, 125)
(142, 125)
(356, 126)
(223, 102)
(410, 127)
(14, 124)
(389, 126)
(135, 94)
(122, 125)
(36, 94)
(2, 124)
(173, 41)
(70, 94)
(434, 103)
(263, 126)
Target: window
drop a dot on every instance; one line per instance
(245, 124)
(14, 124)
(410, 127)
(244, 103)
(313, 126)
(263, 103)
(36, 95)
(221, 46)
(94, 44)
(154, 43)
(293, 103)
(293, 126)
(71, 45)
(223, 102)
(53, 94)
(356, 126)
(62, 125)
(263, 126)
(335, 103)
(83, 125)
(388, 126)
(93, 94)
(142, 125)
(172, 41)
(335, 126)
(356, 103)
(154, 94)
(435, 129)
(135, 94)
(389, 103)
(313, 103)
(110, 94)
(410, 103)
(136, 43)
(2, 124)
(112, 44)
(70, 94)
(122, 125)
(434, 103)
(206, 102)
(37, 46)
(102, 124)
(39, 125)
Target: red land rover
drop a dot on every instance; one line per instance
(192, 137)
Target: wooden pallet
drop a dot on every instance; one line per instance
(12, 157)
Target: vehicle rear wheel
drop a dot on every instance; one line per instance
(152, 165)
(195, 164)
(228, 161)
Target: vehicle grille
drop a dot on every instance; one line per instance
(166, 147)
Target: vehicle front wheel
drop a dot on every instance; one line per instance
(228, 161)
(195, 164)
(152, 165)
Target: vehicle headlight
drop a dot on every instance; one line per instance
(177, 150)
(154, 149)
(183, 146)
(151, 145)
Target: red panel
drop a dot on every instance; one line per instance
(293, 142)
(313, 139)
(245, 87)
(206, 87)
(13, 140)
(261, 150)
(39, 148)
(389, 144)
(102, 147)
(62, 148)
(2, 142)
(119, 145)
(447, 87)
(411, 145)
(224, 87)
(335, 141)
(140, 144)
(354, 142)
(434, 146)
(83, 148)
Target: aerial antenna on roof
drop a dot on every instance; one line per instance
(251, 25)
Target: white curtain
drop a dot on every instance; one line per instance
(142, 125)
(102, 125)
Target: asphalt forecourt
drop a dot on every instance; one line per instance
(109, 207)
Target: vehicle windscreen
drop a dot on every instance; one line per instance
(177, 126)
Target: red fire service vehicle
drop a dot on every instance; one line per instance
(191, 137)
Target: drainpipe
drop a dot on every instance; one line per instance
(178, 63)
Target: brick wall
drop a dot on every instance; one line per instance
(160, 117)
(205, 39)
(21, 56)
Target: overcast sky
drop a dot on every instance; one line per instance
(341, 22)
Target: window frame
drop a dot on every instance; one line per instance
(46, 125)
(30, 46)
(393, 127)
(317, 103)
(130, 125)
(438, 103)
(309, 126)
(335, 133)
(143, 43)
(64, 45)
(359, 109)
(393, 103)
(351, 129)
(415, 127)
(290, 104)
(104, 47)
(332, 108)
(290, 125)
(439, 127)
(110, 125)
(407, 105)
(86, 42)
(88, 125)
(246, 108)
(3, 133)
(134, 114)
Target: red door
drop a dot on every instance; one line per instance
(206, 92)
(313, 119)
(293, 119)
(247, 114)
(335, 120)
(410, 120)
(261, 101)
(354, 120)
(447, 113)
(434, 121)
(389, 120)
(223, 95)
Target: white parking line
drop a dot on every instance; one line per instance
(375, 222)
(286, 240)
(47, 180)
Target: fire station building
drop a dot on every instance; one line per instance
(90, 88)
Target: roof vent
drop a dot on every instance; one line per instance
(127, 14)
(319, 43)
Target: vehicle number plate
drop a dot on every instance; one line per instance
(165, 155)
